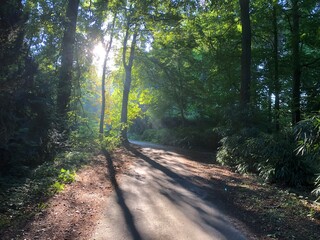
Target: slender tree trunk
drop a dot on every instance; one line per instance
(127, 83)
(103, 94)
(183, 118)
(103, 81)
(270, 105)
(296, 77)
(65, 81)
(246, 54)
(124, 110)
(276, 68)
(180, 95)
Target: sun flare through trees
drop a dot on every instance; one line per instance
(240, 78)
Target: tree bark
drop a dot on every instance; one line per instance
(103, 81)
(127, 83)
(65, 80)
(246, 54)
(296, 74)
(103, 95)
(270, 105)
(276, 67)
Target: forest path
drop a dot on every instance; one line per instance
(163, 195)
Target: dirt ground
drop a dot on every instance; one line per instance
(72, 213)
(261, 211)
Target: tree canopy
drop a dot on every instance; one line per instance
(238, 75)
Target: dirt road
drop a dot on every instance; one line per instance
(162, 196)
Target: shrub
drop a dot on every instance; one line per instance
(65, 176)
(186, 137)
(308, 137)
(271, 156)
(110, 142)
(161, 136)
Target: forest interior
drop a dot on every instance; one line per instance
(220, 98)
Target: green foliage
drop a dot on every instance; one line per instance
(316, 191)
(4, 221)
(22, 197)
(84, 138)
(51, 177)
(110, 142)
(157, 136)
(186, 137)
(41, 206)
(186, 67)
(269, 155)
(308, 136)
(57, 187)
(66, 176)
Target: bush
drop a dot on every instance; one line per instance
(271, 156)
(308, 137)
(65, 176)
(110, 142)
(186, 137)
(161, 136)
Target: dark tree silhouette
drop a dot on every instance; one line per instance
(246, 53)
(65, 81)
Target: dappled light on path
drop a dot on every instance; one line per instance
(162, 197)
(125, 210)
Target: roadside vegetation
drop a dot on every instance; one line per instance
(240, 78)
(25, 190)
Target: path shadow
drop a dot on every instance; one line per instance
(224, 196)
(125, 210)
(218, 223)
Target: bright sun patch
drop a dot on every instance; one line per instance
(99, 53)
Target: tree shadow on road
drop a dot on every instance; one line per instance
(126, 211)
(217, 222)
(229, 194)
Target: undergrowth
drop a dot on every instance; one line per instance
(186, 137)
(308, 137)
(271, 156)
(24, 195)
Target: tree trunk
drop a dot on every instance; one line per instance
(103, 94)
(246, 54)
(65, 81)
(127, 83)
(270, 105)
(296, 115)
(124, 110)
(276, 68)
(103, 81)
